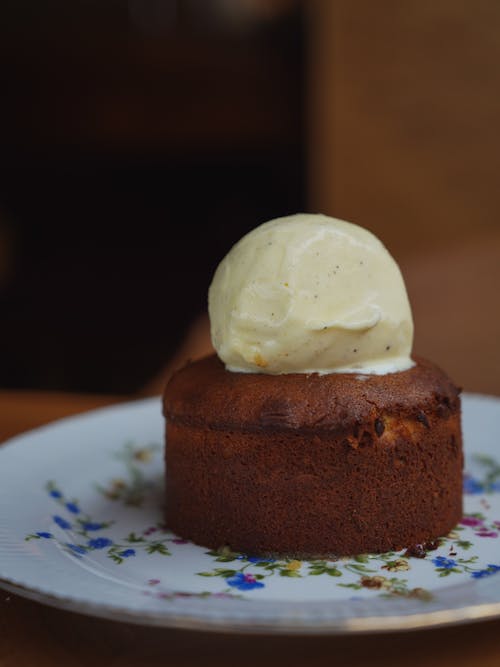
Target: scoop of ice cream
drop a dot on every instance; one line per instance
(310, 294)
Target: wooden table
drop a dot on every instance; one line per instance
(33, 634)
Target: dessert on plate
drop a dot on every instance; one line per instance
(313, 432)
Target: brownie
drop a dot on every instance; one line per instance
(309, 465)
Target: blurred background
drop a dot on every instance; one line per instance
(139, 139)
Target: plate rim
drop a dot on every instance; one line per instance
(451, 616)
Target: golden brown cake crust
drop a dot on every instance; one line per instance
(309, 465)
(204, 393)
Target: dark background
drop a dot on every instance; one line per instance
(140, 138)
(138, 142)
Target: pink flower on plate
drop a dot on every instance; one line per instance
(179, 540)
(471, 521)
(486, 533)
(153, 582)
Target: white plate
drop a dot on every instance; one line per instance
(81, 528)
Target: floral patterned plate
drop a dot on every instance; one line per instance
(81, 528)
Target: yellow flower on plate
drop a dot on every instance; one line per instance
(397, 565)
(142, 455)
(294, 565)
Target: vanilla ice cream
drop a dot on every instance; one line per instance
(310, 294)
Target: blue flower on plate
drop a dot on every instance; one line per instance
(100, 543)
(491, 569)
(76, 548)
(73, 507)
(55, 493)
(445, 563)
(127, 553)
(62, 523)
(244, 582)
(472, 486)
(44, 534)
(90, 525)
(255, 559)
